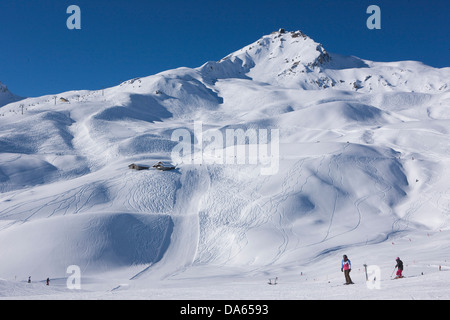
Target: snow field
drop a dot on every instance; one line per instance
(364, 148)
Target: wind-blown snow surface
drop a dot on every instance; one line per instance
(364, 151)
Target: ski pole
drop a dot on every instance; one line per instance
(393, 272)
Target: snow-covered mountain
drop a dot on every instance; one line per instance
(6, 96)
(363, 156)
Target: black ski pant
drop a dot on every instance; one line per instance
(347, 276)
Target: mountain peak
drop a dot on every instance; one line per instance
(279, 54)
(6, 96)
(283, 46)
(291, 59)
(3, 88)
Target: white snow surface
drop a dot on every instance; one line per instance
(363, 171)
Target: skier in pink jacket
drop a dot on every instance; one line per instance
(346, 267)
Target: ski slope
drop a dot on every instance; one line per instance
(363, 156)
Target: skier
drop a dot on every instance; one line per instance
(399, 267)
(29, 279)
(346, 267)
(48, 281)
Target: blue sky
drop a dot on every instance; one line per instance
(124, 39)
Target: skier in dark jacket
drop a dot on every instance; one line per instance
(399, 267)
(346, 267)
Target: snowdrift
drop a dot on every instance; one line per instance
(94, 242)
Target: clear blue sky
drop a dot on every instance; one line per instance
(124, 39)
